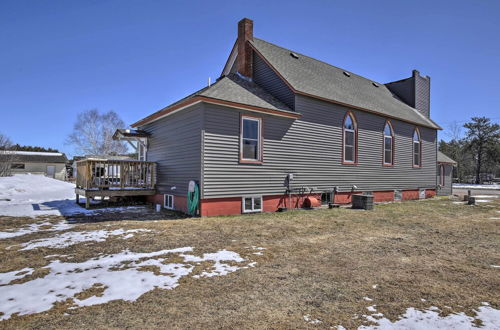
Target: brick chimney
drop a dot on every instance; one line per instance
(245, 33)
(414, 91)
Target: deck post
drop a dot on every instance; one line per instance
(87, 202)
(77, 199)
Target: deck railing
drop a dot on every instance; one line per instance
(94, 174)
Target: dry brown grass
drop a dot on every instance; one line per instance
(320, 263)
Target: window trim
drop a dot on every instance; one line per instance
(419, 148)
(442, 172)
(391, 164)
(253, 210)
(165, 202)
(355, 122)
(260, 160)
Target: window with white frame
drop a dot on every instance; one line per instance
(168, 201)
(417, 149)
(388, 144)
(349, 131)
(251, 139)
(252, 204)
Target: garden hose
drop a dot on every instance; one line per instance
(193, 200)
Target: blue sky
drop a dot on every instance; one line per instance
(58, 58)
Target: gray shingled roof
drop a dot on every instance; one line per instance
(233, 88)
(442, 158)
(308, 75)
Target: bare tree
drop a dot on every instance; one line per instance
(6, 155)
(93, 133)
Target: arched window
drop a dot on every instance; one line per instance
(417, 149)
(388, 144)
(350, 139)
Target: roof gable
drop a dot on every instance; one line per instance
(315, 78)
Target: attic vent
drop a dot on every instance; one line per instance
(374, 84)
(294, 55)
(347, 74)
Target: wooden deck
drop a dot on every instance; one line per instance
(114, 178)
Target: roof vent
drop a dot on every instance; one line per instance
(347, 74)
(294, 55)
(375, 84)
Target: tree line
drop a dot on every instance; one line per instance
(476, 151)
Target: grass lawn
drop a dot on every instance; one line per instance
(301, 269)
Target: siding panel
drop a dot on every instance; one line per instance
(311, 149)
(265, 77)
(175, 145)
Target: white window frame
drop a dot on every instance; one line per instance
(414, 149)
(165, 199)
(259, 139)
(354, 141)
(253, 210)
(391, 162)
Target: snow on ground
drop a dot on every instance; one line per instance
(118, 276)
(475, 186)
(33, 195)
(430, 319)
(75, 237)
(35, 227)
(6, 278)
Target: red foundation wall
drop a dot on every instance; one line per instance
(232, 205)
(180, 202)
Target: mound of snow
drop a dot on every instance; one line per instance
(28, 195)
(26, 188)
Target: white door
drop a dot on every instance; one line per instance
(51, 171)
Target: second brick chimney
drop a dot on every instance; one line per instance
(245, 34)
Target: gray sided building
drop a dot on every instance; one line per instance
(279, 126)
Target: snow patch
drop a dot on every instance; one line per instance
(483, 201)
(75, 237)
(6, 278)
(430, 319)
(34, 228)
(367, 299)
(119, 276)
(28, 195)
(310, 320)
(476, 186)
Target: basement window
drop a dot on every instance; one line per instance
(251, 204)
(168, 201)
(326, 198)
(17, 166)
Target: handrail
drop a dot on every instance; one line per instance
(95, 174)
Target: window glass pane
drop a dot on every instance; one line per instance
(388, 143)
(387, 130)
(250, 149)
(349, 138)
(248, 204)
(250, 129)
(257, 204)
(415, 136)
(349, 154)
(388, 156)
(348, 123)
